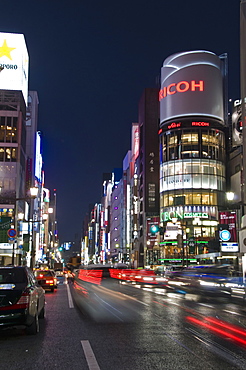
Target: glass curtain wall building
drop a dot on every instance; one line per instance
(193, 136)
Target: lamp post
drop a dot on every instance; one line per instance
(13, 232)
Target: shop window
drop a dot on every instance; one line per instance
(179, 200)
(172, 140)
(205, 199)
(197, 198)
(1, 154)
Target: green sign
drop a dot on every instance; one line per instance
(5, 224)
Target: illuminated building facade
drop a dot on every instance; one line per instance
(115, 253)
(193, 152)
(145, 180)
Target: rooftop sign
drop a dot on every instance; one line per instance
(191, 85)
(14, 62)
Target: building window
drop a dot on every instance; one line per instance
(8, 129)
(7, 154)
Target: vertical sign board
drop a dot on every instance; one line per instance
(150, 222)
(14, 63)
(229, 218)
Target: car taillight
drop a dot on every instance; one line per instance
(49, 282)
(24, 300)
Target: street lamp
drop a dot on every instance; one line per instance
(33, 192)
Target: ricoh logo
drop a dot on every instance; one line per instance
(181, 87)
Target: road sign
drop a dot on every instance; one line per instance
(225, 235)
(12, 233)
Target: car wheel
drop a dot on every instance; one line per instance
(34, 327)
(42, 313)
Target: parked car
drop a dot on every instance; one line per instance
(22, 299)
(47, 279)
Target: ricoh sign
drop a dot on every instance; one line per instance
(191, 85)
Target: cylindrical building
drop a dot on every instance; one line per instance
(192, 150)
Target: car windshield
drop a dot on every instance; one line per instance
(12, 275)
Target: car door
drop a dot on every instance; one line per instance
(38, 298)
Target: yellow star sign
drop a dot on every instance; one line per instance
(5, 50)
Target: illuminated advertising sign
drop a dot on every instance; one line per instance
(189, 123)
(229, 247)
(135, 140)
(229, 218)
(46, 195)
(38, 159)
(153, 222)
(237, 124)
(191, 85)
(185, 212)
(14, 62)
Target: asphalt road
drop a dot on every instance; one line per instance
(129, 328)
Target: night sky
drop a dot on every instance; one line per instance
(89, 63)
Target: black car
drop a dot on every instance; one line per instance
(22, 299)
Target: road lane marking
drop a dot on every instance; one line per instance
(89, 355)
(70, 300)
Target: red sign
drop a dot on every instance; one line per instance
(181, 87)
(174, 125)
(200, 124)
(12, 233)
(229, 218)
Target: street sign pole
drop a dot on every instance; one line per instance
(12, 234)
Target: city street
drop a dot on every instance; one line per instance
(163, 331)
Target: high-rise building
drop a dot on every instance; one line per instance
(18, 133)
(145, 180)
(193, 140)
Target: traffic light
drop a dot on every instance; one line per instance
(60, 249)
(154, 229)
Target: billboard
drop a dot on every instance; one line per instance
(135, 141)
(14, 63)
(38, 158)
(237, 124)
(229, 219)
(191, 85)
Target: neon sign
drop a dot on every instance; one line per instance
(181, 87)
(174, 125)
(167, 216)
(200, 124)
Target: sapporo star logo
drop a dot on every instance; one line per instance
(5, 50)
